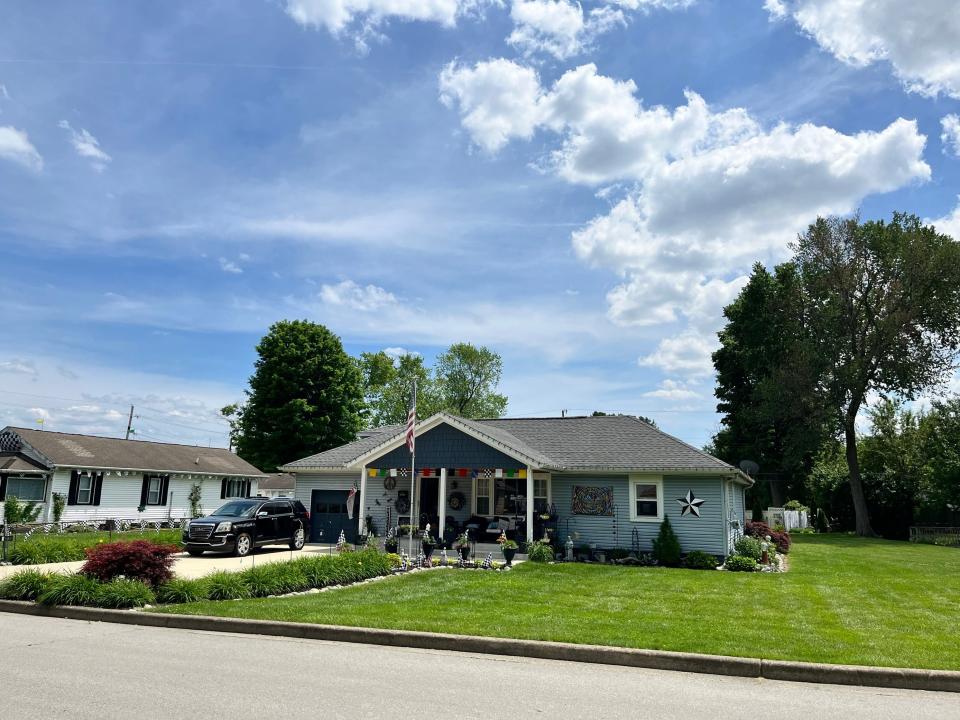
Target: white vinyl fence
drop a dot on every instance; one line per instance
(790, 519)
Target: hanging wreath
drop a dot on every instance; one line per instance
(457, 501)
(389, 483)
(402, 505)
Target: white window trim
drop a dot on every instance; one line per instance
(80, 479)
(153, 496)
(488, 496)
(646, 480)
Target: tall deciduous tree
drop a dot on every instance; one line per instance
(389, 383)
(883, 309)
(305, 396)
(467, 378)
(766, 384)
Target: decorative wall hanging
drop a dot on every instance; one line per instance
(690, 504)
(403, 501)
(457, 501)
(389, 483)
(589, 500)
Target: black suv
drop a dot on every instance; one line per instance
(241, 525)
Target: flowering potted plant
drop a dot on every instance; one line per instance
(508, 547)
(462, 544)
(427, 542)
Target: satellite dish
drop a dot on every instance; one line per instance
(749, 467)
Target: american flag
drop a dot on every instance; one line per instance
(412, 418)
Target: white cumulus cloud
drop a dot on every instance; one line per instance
(709, 192)
(950, 137)
(229, 266)
(87, 146)
(18, 366)
(356, 297)
(559, 27)
(673, 390)
(919, 38)
(15, 146)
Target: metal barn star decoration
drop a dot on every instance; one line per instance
(690, 504)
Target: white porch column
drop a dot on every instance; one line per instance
(529, 504)
(361, 528)
(441, 503)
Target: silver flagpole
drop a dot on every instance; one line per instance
(413, 468)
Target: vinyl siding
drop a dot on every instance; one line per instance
(705, 533)
(446, 446)
(120, 498)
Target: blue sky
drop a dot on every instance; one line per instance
(580, 187)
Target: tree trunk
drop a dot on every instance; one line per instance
(856, 485)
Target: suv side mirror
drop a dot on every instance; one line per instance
(262, 513)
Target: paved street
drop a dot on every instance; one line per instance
(54, 668)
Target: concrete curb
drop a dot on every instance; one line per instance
(903, 678)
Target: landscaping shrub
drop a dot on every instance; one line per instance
(760, 531)
(135, 560)
(71, 590)
(25, 585)
(741, 563)
(540, 552)
(394, 559)
(699, 560)
(122, 593)
(224, 585)
(275, 579)
(71, 546)
(748, 547)
(179, 590)
(666, 546)
(618, 554)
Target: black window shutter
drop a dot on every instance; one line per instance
(223, 488)
(3, 488)
(74, 484)
(97, 485)
(164, 485)
(145, 490)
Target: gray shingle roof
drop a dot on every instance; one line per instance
(344, 455)
(610, 442)
(91, 451)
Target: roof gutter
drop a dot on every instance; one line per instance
(160, 471)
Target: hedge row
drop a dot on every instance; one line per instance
(41, 549)
(304, 573)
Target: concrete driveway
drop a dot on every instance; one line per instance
(193, 567)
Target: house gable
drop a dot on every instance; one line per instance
(445, 446)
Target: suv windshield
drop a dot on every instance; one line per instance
(237, 509)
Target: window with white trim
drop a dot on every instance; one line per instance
(85, 489)
(482, 504)
(153, 490)
(646, 498)
(541, 500)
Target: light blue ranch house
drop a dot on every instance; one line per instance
(608, 481)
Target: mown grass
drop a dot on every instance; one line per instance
(845, 600)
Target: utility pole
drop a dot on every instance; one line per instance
(129, 423)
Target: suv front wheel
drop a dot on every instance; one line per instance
(296, 542)
(244, 545)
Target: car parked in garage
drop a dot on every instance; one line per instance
(239, 526)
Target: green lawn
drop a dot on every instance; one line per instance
(845, 600)
(69, 547)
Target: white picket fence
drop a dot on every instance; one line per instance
(790, 519)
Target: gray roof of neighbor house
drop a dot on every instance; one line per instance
(92, 451)
(608, 442)
(277, 481)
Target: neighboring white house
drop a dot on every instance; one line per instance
(104, 478)
(278, 485)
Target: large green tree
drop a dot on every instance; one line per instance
(305, 396)
(883, 312)
(467, 378)
(389, 384)
(766, 385)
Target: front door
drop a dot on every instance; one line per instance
(328, 516)
(429, 506)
